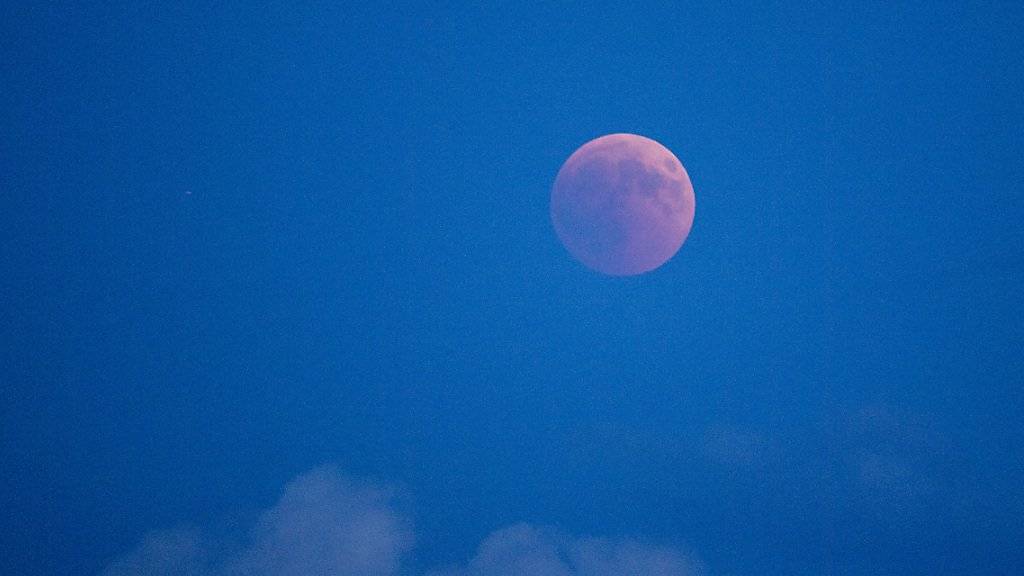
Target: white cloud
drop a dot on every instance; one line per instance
(894, 456)
(164, 553)
(326, 524)
(323, 524)
(516, 550)
(526, 550)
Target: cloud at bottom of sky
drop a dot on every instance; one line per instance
(527, 550)
(326, 523)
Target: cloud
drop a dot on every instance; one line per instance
(524, 550)
(897, 456)
(327, 524)
(167, 553)
(324, 523)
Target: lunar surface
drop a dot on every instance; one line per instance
(622, 204)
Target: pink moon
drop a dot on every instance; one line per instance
(622, 204)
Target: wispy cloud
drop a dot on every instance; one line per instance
(327, 524)
(896, 456)
(527, 550)
(167, 553)
(324, 523)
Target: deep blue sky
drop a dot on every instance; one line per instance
(239, 242)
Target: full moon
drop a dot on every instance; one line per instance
(622, 204)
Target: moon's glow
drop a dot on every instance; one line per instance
(622, 204)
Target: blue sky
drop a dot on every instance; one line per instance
(285, 269)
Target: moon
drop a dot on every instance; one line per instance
(622, 204)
